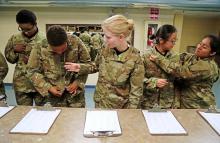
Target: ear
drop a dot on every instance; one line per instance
(161, 41)
(121, 36)
(213, 53)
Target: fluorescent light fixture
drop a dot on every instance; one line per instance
(146, 5)
(30, 2)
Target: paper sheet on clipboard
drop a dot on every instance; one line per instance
(101, 123)
(5, 110)
(213, 119)
(163, 123)
(36, 122)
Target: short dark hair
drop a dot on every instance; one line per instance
(56, 35)
(26, 16)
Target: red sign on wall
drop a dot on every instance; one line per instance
(154, 13)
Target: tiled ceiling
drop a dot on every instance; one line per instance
(200, 5)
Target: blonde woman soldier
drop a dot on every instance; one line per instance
(120, 67)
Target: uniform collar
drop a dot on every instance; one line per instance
(167, 54)
(123, 57)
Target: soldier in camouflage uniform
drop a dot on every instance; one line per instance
(197, 73)
(97, 43)
(47, 73)
(86, 38)
(158, 85)
(120, 67)
(3, 73)
(17, 51)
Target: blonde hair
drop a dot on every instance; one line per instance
(119, 24)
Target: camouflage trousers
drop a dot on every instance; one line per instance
(27, 99)
(2, 88)
(67, 100)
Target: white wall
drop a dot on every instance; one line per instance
(75, 16)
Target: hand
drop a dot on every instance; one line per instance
(72, 88)
(55, 91)
(161, 83)
(19, 48)
(152, 58)
(25, 59)
(72, 67)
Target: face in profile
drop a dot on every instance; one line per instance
(60, 49)
(203, 49)
(111, 40)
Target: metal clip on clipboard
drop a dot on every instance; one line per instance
(102, 133)
(47, 107)
(157, 108)
(213, 109)
(3, 102)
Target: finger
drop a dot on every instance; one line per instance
(59, 93)
(71, 70)
(163, 82)
(74, 92)
(68, 63)
(67, 66)
(71, 91)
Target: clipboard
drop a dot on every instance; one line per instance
(102, 124)
(162, 122)
(212, 117)
(37, 121)
(4, 110)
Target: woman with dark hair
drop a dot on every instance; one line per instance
(158, 85)
(17, 51)
(196, 72)
(46, 68)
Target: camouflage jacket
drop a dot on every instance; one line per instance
(46, 69)
(164, 97)
(196, 77)
(86, 38)
(97, 41)
(3, 72)
(21, 83)
(120, 78)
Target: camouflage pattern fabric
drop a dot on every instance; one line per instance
(86, 38)
(164, 97)
(97, 43)
(46, 69)
(3, 73)
(20, 81)
(120, 80)
(196, 78)
(27, 99)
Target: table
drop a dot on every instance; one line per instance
(68, 128)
